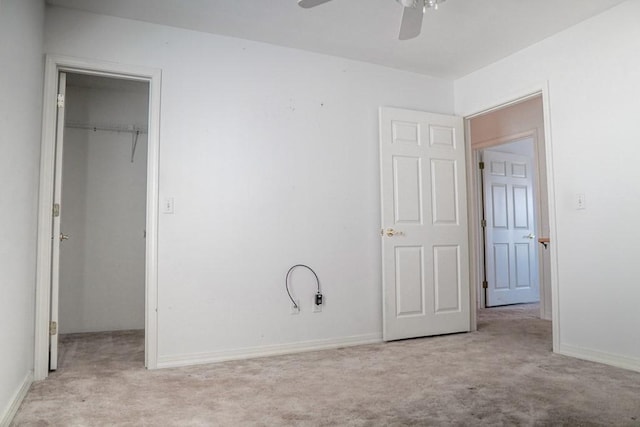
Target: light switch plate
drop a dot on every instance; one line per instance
(581, 201)
(167, 205)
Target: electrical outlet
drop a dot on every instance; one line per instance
(318, 301)
(581, 202)
(295, 308)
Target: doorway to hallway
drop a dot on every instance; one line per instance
(509, 171)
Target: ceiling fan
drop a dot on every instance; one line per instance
(411, 16)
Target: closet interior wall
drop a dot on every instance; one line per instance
(102, 266)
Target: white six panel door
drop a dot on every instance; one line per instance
(425, 256)
(511, 252)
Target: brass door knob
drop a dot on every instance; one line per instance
(390, 232)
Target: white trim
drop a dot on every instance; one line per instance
(55, 64)
(16, 401)
(624, 362)
(553, 233)
(506, 100)
(45, 199)
(476, 252)
(502, 101)
(506, 139)
(267, 350)
(472, 213)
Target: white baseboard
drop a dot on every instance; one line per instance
(15, 402)
(263, 351)
(633, 364)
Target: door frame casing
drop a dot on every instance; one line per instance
(487, 106)
(53, 66)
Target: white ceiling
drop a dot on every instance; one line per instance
(461, 37)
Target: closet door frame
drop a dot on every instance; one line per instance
(55, 64)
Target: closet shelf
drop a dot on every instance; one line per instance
(135, 131)
(108, 128)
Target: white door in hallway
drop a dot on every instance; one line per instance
(425, 254)
(58, 235)
(511, 245)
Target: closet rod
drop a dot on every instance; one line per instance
(105, 128)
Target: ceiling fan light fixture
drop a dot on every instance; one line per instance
(424, 4)
(412, 14)
(409, 3)
(432, 4)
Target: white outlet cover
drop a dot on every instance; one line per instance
(318, 308)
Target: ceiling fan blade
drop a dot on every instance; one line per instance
(411, 23)
(311, 3)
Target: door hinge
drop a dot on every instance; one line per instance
(485, 284)
(483, 223)
(56, 209)
(60, 100)
(481, 165)
(53, 328)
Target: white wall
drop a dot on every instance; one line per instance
(21, 28)
(103, 211)
(271, 156)
(523, 147)
(592, 73)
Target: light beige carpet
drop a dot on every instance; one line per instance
(504, 374)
